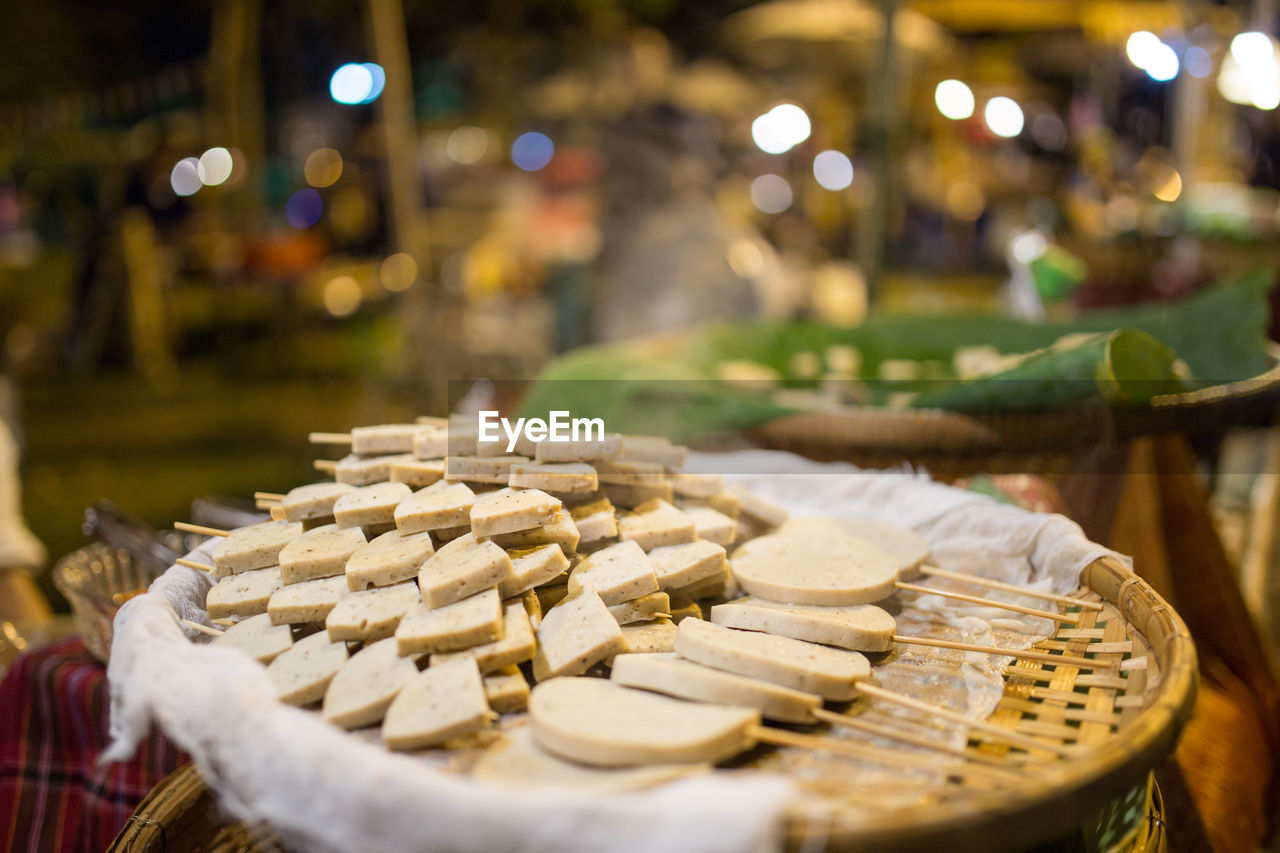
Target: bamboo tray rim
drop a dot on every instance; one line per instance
(1070, 790)
(1068, 793)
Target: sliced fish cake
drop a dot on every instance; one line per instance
(506, 690)
(656, 523)
(371, 614)
(257, 637)
(445, 700)
(319, 553)
(243, 594)
(359, 694)
(389, 559)
(859, 627)
(675, 676)
(370, 507)
(461, 569)
(827, 572)
(516, 646)
(470, 622)
(302, 673)
(597, 722)
(618, 573)
(439, 506)
(508, 510)
(531, 567)
(313, 502)
(254, 547)
(830, 673)
(307, 602)
(518, 761)
(575, 634)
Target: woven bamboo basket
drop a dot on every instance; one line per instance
(1125, 719)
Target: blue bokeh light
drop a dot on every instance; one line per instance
(351, 84)
(379, 78)
(532, 151)
(1197, 61)
(304, 208)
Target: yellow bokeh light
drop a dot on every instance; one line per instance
(965, 201)
(398, 272)
(342, 296)
(467, 145)
(745, 258)
(1170, 188)
(323, 167)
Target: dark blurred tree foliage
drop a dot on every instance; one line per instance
(54, 47)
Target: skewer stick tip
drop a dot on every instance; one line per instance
(187, 527)
(203, 629)
(329, 437)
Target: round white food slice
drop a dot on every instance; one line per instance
(593, 721)
(903, 543)
(674, 676)
(860, 627)
(302, 674)
(361, 691)
(257, 637)
(518, 761)
(799, 570)
(806, 667)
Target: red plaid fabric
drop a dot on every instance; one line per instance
(53, 725)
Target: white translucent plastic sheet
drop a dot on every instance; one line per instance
(323, 789)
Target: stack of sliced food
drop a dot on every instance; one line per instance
(425, 588)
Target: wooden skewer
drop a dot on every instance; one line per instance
(273, 497)
(891, 758)
(1070, 618)
(936, 572)
(1020, 654)
(329, 437)
(227, 622)
(199, 528)
(327, 466)
(203, 629)
(662, 616)
(887, 733)
(993, 731)
(192, 564)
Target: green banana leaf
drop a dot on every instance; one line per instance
(670, 385)
(1121, 367)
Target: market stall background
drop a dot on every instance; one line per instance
(225, 224)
